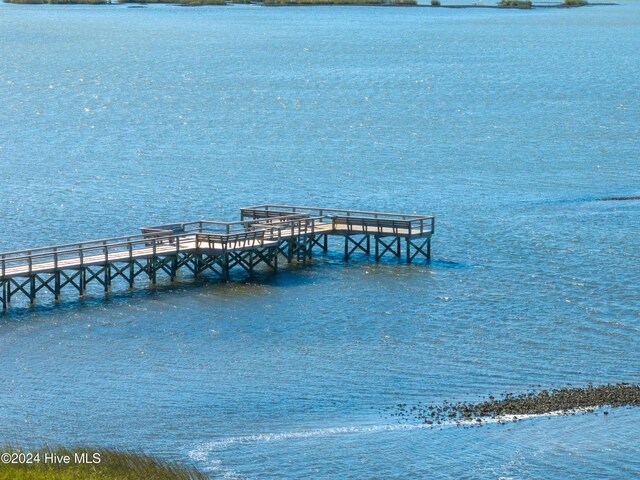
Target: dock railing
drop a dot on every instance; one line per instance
(370, 220)
(274, 227)
(82, 253)
(243, 233)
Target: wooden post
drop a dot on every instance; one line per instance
(197, 261)
(174, 267)
(107, 276)
(131, 272)
(290, 249)
(83, 281)
(151, 272)
(56, 286)
(408, 250)
(32, 289)
(226, 272)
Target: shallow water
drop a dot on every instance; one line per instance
(508, 126)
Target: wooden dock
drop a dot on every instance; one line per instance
(263, 234)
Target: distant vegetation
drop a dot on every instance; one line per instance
(147, 1)
(524, 4)
(204, 2)
(178, 2)
(113, 465)
(59, 2)
(103, 2)
(338, 2)
(224, 2)
(515, 3)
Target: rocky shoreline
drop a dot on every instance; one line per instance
(512, 407)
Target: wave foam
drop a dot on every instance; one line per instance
(202, 452)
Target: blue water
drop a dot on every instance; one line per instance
(508, 126)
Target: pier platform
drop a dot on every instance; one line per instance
(264, 234)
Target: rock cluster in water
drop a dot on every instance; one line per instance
(511, 407)
(609, 199)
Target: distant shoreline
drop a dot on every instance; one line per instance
(296, 3)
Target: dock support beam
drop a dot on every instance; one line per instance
(363, 244)
(423, 248)
(393, 247)
(225, 268)
(56, 286)
(151, 270)
(321, 241)
(174, 268)
(32, 289)
(107, 278)
(83, 281)
(301, 247)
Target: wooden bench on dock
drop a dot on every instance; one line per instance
(232, 241)
(378, 226)
(163, 231)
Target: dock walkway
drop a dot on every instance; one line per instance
(264, 233)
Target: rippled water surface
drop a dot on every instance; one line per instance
(507, 125)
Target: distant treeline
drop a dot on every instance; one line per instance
(529, 4)
(338, 2)
(105, 2)
(434, 3)
(223, 2)
(58, 2)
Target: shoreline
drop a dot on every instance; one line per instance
(271, 3)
